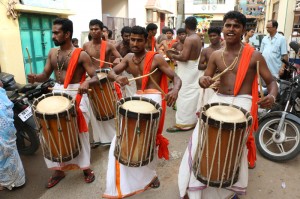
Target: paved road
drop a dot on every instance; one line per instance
(265, 181)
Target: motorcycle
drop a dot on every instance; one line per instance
(22, 98)
(278, 135)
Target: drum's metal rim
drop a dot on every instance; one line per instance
(226, 125)
(39, 114)
(135, 115)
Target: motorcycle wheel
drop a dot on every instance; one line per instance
(282, 148)
(27, 140)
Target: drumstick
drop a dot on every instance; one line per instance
(259, 80)
(158, 87)
(29, 59)
(135, 78)
(102, 61)
(65, 89)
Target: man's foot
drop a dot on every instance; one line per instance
(155, 183)
(94, 145)
(89, 175)
(55, 179)
(176, 129)
(1, 188)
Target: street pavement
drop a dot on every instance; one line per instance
(267, 180)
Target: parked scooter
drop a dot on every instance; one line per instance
(278, 136)
(22, 97)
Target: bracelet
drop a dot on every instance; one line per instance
(274, 98)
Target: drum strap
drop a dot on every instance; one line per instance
(241, 73)
(102, 52)
(69, 76)
(161, 141)
(153, 41)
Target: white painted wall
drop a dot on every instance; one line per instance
(136, 9)
(115, 8)
(190, 8)
(85, 11)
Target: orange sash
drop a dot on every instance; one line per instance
(161, 141)
(102, 53)
(171, 43)
(102, 57)
(153, 41)
(69, 75)
(241, 73)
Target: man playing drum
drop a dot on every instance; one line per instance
(187, 70)
(124, 181)
(238, 87)
(61, 61)
(99, 49)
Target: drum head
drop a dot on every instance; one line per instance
(226, 114)
(53, 105)
(137, 106)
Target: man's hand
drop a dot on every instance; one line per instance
(205, 81)
(31, 78)
(122, 80)
(171, 97)
(267, 101)
(83, 88)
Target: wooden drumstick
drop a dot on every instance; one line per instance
(102, 61)
(157, 86)
(65, 89)
(29, 59)
(135, 78)
(259, 80)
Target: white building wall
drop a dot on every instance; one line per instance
(85, 11)
(136, 9)
(115, 8)
(190, 8)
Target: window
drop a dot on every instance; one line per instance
(151, 15)
(198, 2)
(275, 11)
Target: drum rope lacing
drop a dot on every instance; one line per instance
(60, 64)
(233, 64)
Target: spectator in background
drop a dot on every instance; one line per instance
(274, 48)
(75, 42)
(11, 168)
(248, 34)
(151, 41)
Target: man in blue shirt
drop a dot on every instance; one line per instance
(273, 48)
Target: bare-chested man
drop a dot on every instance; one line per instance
(187, 70)
(238, 87)
(214, 34)
(98, 49)
(151, 41)
(181, 35)
(132, 180)
(58, 62)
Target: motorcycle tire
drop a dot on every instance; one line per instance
(27, 140)
(281, 149)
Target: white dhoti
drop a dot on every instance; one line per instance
(123, 181)
(187, 181)
(82, 161)
(103, 131)
(188, 95)
(130, 89)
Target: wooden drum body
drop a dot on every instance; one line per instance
(137, 124)
(223, 132)
(55, 115)
(103, 98)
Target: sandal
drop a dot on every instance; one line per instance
(155, 183)
(54, 180)
(89, 176)
(176, 129)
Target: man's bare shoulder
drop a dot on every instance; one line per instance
(86, 44)
(128, 56)
(53, 51)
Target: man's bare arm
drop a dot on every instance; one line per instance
(118, 69)
(89, 68)
(44, 76)
(185, 53)
(206, 80)
(202, 62)
(114, 51)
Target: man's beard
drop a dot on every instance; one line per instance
(57, 43)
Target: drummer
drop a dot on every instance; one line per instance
(132, 180)
(239, 87)
(99, 49)
(61, 61)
